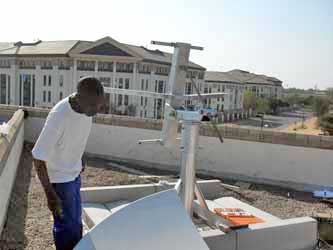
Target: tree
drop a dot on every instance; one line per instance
(308, 101)
(274, 105)
(329, 92)
(292, 99)
(321, 105)
(262, 105)
(326, 123)
(249, 100)
(131, 110)
(113, 109)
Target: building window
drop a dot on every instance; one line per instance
(26, 88)
(33, 90)
(146, 84)
(120, 100)
(49, 97)
(162, 71)
(4, 64)
(126, 100)
(106, 81)
(146, 101)
(45, 80)
(142, 84)
(20, 90)
(145, 113)
(120, 83)
(141, 113)
(205, 90)
(46, 65)
(201, 75)
(8, 89)
(64, 65)
(86, 65)
(61, 80)
(50, 80)
(26, 64)
(3, 88)
(141, 100)
(105, 66)
(60, 95)
(160, 86)
(144, 69)
(126, 83)
(188, 88)
(44, 96)
(124, 67)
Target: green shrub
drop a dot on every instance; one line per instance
(326, 123)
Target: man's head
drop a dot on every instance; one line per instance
(90, 95)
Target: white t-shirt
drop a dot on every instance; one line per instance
(62, 142)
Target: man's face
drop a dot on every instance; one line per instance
(91, 105)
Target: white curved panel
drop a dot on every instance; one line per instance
(155, 222)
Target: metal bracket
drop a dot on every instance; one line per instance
(159, 141)
(203, 211)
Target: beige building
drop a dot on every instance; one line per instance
(41, 73)
(224, 82)
(235, 83)
(261, 85)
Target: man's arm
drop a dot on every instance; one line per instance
(84, 162)
(53, 201)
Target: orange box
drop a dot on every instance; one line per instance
(237, 216)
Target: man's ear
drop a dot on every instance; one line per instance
(79, 98)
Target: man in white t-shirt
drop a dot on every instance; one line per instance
(57, 157)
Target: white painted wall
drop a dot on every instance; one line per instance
(263, 162)
(234, 91)
(7, 177)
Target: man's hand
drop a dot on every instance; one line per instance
(84, 163)
(54, 203)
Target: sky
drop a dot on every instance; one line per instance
(288, 39)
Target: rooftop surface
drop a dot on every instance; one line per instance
(241, 77)
(29, 220)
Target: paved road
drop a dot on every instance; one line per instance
(281, 121)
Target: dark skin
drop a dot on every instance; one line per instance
(82, 103)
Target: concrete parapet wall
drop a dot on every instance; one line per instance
(301, 168)
(237, 133)
(11, 146)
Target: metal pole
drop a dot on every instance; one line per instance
(177, 78)
(190, 136)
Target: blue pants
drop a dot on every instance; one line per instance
(67, 229)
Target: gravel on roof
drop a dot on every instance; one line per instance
(29, 221)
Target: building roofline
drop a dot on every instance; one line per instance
(213, 81)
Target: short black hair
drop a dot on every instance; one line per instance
(90, 86)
